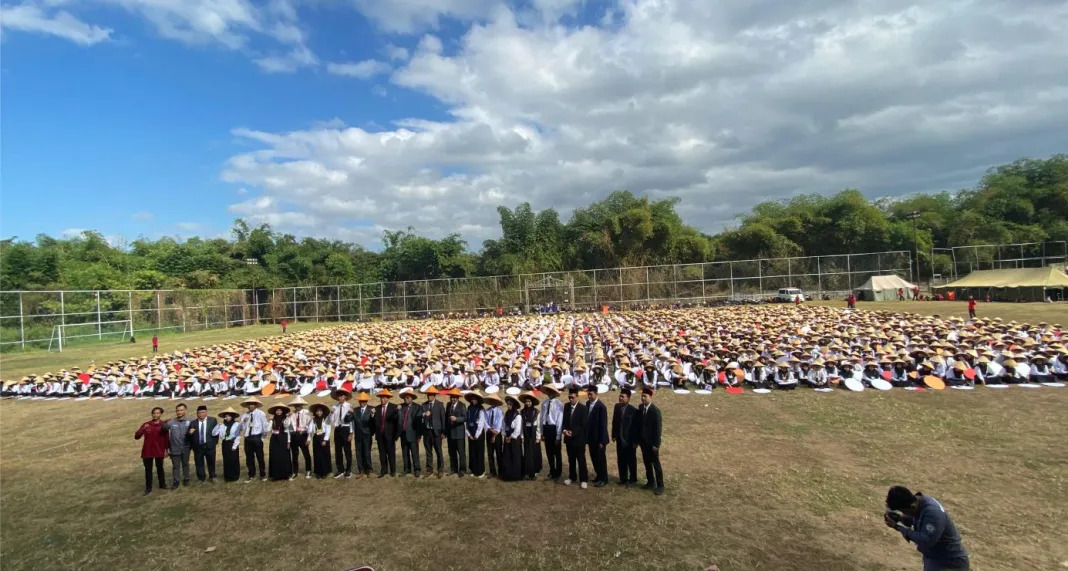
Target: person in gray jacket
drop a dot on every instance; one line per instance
(926, 523)
(178, 431)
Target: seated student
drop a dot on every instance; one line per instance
(899, 374)
(1014, 375)
(870, 373)
(811, 374)
(1060, 365)
(988, 372)
(112, 388)
(1040, 369)
(96, 388)
(784, 377)
(830, 370)
(626, 378)
(753, 375)
(251, 386)
(847, 372)
(955, 377)
(676, 377)
(192, 387)
(731, 378)
(650, 376)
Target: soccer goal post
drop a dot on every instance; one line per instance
(63, 334)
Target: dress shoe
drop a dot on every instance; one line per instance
(148, 491)
(649, 486)
(598, 484)
(174, 485)
(383, 475)
(660, 490)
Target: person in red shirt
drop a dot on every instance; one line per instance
(154, 448)
(284, 326)
(155, 344)
(971, 307)
(851, 301)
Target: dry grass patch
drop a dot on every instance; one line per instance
(753, 482)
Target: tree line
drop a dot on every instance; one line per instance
(1025, 201)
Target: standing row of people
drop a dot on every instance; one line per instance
(486, 437)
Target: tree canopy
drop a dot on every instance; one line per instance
(1025, 201)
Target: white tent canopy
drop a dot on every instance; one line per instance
(884, 288)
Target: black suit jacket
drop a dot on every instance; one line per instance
(209, 440)
(575, 421)
(597, 424)
(410, 431)
(624, 429)
(651, 424)
(456, 428)
(388, 427)
(435, 423)
(362, 420)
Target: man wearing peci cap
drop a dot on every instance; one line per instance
(597, 436)
(651, 423)
(433, 431)
(456, 421)
(203, 440)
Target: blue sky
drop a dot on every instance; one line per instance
(344, 118)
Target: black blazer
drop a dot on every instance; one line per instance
(209, 440)
(597, 424)
(435, 423)
(388, 429)
(410, 432)
(456, 428)
(575, 421)
(651, 423)
(363, 421)
(624, 429)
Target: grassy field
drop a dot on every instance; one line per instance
(17, 364)
(1022, 312)
(753, 482)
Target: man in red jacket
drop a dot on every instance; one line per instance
(284, 326)
(971, 307)
(154, 448)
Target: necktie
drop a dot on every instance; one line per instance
(382, 413)
(404, 423)
(202, 435)
(248, 428)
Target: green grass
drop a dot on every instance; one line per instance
(19, 363)
(781, 481)
(1021, 312)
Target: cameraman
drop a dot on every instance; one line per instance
(926, 523)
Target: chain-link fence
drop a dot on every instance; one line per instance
(949, 264)
(28, 318)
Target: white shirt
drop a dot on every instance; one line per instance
(552, 413)
(254, 423)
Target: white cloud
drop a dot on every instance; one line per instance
(188, 226)
(364, 69)
(28, 17)
(410, 16)
(395, 53)
(379, 91)
(142, 216)
(298, 57)
(722, 104)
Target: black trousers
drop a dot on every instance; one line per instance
(627, 462)
(653, 472)
(599, 461)
(298, 444)
(552, 451)
(576, 458)
(493, 452)
(363, 454)
(432, 446)
(204, 454)
(457, 455)
(148, 462)
(410, 456)
(254, 456)
(342, 450)
(477, 455)
(387, 455)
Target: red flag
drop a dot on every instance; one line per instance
(321, 385)
(84, 378)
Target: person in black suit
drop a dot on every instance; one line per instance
(597, 436)
(651, 424)
(386, 425)
(456, 423)
(203, 443)
(574, 427)
(433, 431)
(625, 434)
(410, 415)
(364, 430)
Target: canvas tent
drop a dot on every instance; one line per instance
(1019, 284)
(884, 288)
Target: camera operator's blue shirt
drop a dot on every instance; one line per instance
(935, 536)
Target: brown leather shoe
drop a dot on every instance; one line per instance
(440, 475)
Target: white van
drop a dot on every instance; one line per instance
(790, 295)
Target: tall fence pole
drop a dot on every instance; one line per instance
(819, 277)
(62, 319)
(849, 274)
(648, 295)
(359, 301)
(621, 287)
(317, 304)
(159, 312)
(22, 324)
(731, 264)
(129, 308)
(99, 332)
(339, 303)
(294, 305)
(426, 292)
